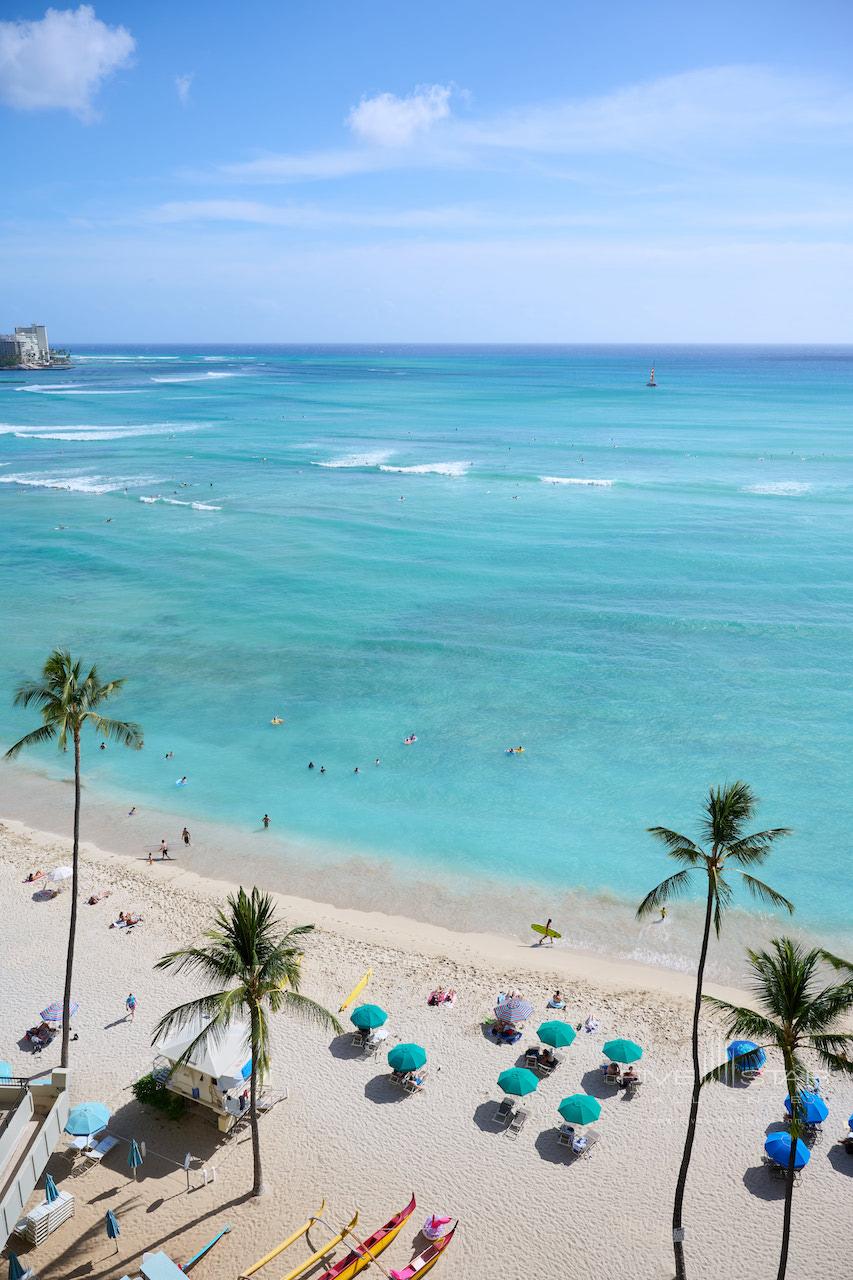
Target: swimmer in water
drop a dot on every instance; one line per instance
(182, 782)
(356, 769)
(310, 764)
(266, 820)
(322, 768)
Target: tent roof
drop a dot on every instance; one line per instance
(222, 1056)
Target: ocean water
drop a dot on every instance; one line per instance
(650, 590)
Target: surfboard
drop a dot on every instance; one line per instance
(548, 933)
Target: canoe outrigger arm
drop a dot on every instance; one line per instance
(285, 1244)
(319, 1253)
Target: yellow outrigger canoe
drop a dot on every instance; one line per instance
(364, 1253)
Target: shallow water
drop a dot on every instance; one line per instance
(671, 607)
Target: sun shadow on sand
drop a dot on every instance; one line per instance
(548, 1146)
(484, 1118)
(593, 1083)
(760, 1182)
(380, 1089)
(839, 1159)
(343, 1047)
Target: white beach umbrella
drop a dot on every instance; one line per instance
(58, 874)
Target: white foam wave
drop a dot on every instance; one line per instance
(78, 483)
(374, 459)
(90, 391)
(781, 488)
(180, 502)
(432, 469)
(195, 377)
(581, 480)
(86, 431)
(48, 387)
(118, 359)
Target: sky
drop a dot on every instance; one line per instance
(458, 171)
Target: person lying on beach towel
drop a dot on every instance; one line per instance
(98, 897)
(591, 1024)
(35, 875)
(126, 920)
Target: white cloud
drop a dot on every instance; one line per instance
(183, 84)
(61, 60)
(389, 121)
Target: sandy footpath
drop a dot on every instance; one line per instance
(345, 1134)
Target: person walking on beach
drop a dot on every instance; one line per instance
(185, 836)
(266, 820)
(663, 913)
(546, 936)
(130, 1007)
(164, 850)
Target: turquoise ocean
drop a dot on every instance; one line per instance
(650, 590)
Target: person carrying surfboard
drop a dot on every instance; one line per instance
(547, 933)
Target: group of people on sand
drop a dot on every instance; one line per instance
(440, 996)
(126, 920)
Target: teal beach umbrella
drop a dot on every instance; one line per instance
(50, 1190)
(368, 1016)
(518, 1080)
(113, 1229)
(134, 1156)
(87, 1118)
(580, 1108)
(16, 1270)
(407, 1057)
(622, 1051)
(559, 1035)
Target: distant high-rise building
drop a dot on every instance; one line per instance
(28, 348)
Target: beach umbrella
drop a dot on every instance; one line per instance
(87, 1118)
(559, 1035)
(58, 874)
(436, 1226)
(518, 1080)
(407, 1057)
(622, 1051)
(812, 1107)
(850, 1123)
(5, 1071)
(778, 1147)
(580, 1108)
(16, 1270)
(514, 1010)
(134, 1157)
(753, 1062)
(50, 1191)
(113, 1229)
(368, 1016)
(53, 1012)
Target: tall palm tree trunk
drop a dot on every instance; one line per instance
(257, 1175)
(793, 1094)
(72, 925)
(681, 1184)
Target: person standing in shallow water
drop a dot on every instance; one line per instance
(266, 820)
(185, 836)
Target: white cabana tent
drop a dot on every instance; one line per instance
(214, 1075)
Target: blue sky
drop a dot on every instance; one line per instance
(468, 171)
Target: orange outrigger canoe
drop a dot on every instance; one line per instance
(425, 1261)
(356, 1261)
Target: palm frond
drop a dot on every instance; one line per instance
(310, 1011)
(755, 848)
(726, 810)
(668, 890)
(722, 895)
(677, 843)
(764, 893)
(123, 731)
(835, 962)
(46, 733)
(33, 692)
(201, 1008)
(739, 1020)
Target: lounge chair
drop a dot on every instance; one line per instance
(504, 1112)
(416, 1081)
(592, 1137)
(565, 1135)
(612, 1077)
(517, 1123)
(399, 1077)
(96, 1154)
(544, 1069)
(358, 1039)
(531, 1059)
(631, 1085)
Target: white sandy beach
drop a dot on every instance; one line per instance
(346, 1135)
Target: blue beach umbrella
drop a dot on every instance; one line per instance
(53, 1012)
(113, 1229)
(87, 1118)
(518, 1080)
(5, 1071)
(557, 1034)
(850, 1123)
(134, 1156)
(778, 1147)
(16, 1270)
(749, 1056)
(368, 1016)
(50, 1190)
(812, 1108)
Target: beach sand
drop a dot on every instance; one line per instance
(345, 1134)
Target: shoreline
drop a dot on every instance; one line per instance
(600, 931)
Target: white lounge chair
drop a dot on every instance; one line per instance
(504, 1112)
(517, 1123)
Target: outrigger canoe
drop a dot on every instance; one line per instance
(356, 1261)
(425, 1261)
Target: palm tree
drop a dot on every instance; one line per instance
(257, 967)
(68, 700)
(725, 815)
(798, 1013)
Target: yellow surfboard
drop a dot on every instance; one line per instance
(357, 990)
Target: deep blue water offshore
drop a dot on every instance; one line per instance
(650, 590)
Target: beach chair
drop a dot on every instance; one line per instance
(103, 1148)
(612, 1078)
(358, 1039)
(565, 1135)
(545, 1069)
(531, 1059)
(631, 1086)
(517, 1123)
(415, 1081)
(592, 1137)
(504, 1112)
(399, 1077)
